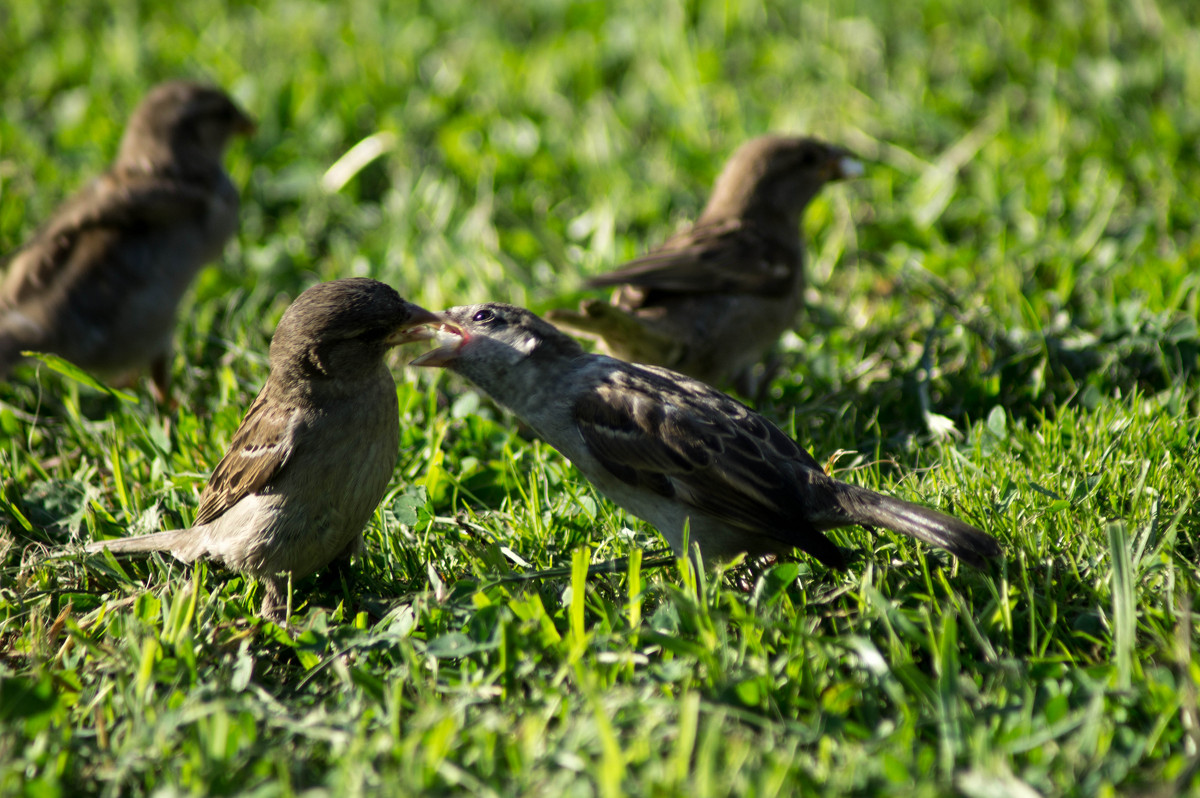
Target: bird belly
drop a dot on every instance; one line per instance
(719, 541)
(328, 507)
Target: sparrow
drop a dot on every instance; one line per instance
(100, 282)
(315, 452)
(715, 297)
(673, 450)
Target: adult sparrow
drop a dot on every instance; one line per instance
(314, 454)
(100, 282)
(714, 298)
(673, 450)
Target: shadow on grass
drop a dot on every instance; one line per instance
(888, 382)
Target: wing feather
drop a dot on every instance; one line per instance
(97, 217)
(261, 447)
(682, 438)
(729, 256)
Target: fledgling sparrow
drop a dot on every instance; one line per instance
(100, 282)
(313, 456)
(673, 450)
(715, 297)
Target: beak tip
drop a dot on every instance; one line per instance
(432, 359)
(849, 167)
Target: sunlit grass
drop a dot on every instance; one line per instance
(1015, 268)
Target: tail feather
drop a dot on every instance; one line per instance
(868, 508)
(181, 543)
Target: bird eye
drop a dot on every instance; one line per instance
(483, 315)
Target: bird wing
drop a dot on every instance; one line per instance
(110, 206)
(683, 439)
(728, 256)
(261, 447)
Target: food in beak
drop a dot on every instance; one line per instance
(449, 339)
(416, 327)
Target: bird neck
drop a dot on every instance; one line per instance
(158, 159)
(750, 207)
(526, 389)
(302, 378)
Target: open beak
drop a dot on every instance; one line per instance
(415, 327)
(449, 338)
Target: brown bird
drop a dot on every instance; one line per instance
(314, 454)
(714, 298)
(100, 283)
(673, 450)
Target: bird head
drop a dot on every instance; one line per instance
(494, 333)
(344, 328)
(179, 122)
(777, 175)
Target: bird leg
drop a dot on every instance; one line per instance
(275, 599)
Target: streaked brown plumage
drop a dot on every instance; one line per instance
(673, 450)
(100, 282)
(314, 454)
(714, 298)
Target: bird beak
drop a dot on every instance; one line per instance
(415, 327)
(844, 167)
(450, 338)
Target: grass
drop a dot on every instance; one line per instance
(1003, 323)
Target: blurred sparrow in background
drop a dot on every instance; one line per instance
(99, 284)
(314, 454)
(673, 450)
(714, 298)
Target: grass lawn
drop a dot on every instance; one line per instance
(1002, 323)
